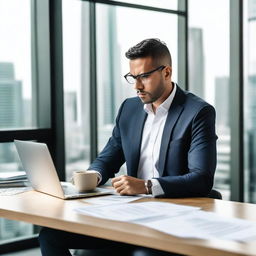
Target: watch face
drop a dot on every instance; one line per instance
(149, 184)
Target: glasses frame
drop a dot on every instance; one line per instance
(143, 75)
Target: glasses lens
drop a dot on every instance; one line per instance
(130, 79)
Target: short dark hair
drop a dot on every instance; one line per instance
(152, 47)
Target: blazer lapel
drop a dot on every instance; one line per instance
(173, 115)
(136, 141)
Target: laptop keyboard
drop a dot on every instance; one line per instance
(68, 190)
(71, 192)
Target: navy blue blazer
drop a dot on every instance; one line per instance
(187, 158)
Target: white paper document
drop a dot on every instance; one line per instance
(178, 220)
(112, 199)
(205, 225)
(14, 191)
(143, 212)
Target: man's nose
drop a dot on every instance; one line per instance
(138, 85)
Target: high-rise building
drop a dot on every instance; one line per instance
(196, 62)
(109, 90)
(6, 71)
(250, 133)
(11, 107)
(109, 67)
(252, 9)
(8, 229)
(222, 176)
(74, 134)
(221, 101)
(11, 116)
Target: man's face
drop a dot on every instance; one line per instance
(151, 88)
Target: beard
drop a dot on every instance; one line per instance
(151, 97)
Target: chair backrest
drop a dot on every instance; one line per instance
(215, 194)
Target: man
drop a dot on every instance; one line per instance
(166, 137)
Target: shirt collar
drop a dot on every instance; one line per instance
(164, 107)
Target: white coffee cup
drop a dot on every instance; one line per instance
(85, 180)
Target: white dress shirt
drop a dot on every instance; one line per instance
(151, 142)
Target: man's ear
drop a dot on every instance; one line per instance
(168, 72)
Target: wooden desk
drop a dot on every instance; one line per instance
(44, 210)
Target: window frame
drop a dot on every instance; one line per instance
(48, 88)
(47, 96)
(182, 56)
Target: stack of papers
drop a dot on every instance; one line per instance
(13, 179)
(138, 212)
(114, 199)
(177, 220)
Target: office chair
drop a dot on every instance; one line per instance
(215, 194)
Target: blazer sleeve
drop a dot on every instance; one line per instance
(201, 158)
(111, 158)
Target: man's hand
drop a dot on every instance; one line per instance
(127, 185)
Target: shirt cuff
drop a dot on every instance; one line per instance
(156, 188)
(99, 176)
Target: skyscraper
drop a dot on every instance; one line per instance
(250, 117)
(109, 89)
(11, 116)
(11, 108)
(221, 101)
(249, 100)
(196, 62)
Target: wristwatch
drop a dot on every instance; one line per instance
(148, 185)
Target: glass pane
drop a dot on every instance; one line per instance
(209, 73)
(76, 84)
(166, 4)
(10, 229)
(249, 101)
(15, 64)
(114, 38)
(9, 161)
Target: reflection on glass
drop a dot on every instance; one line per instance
(209, 74)
(114, 38)
(76, 84)
(249, 101)
(15, 64)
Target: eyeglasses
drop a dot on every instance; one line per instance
(131, 79)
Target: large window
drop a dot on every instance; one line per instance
(15, 91)
(249, 100)
(15, 64)
(109, 30)
(76, 84)
(209, 74)
(117, 31)
(24, 89)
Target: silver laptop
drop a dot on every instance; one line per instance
(37, 162)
